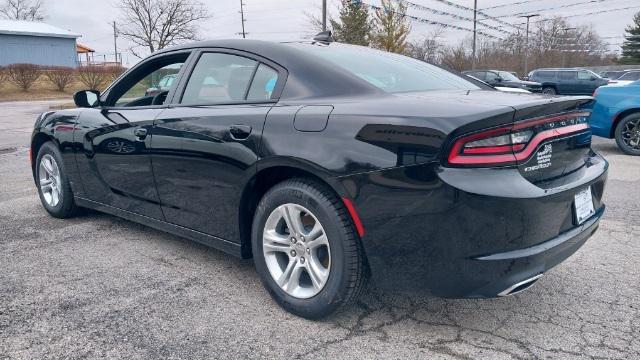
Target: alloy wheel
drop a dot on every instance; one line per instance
(631, 134)
(296, 251)
(50, 183)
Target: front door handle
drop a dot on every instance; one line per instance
(140, 134)
(240, 132)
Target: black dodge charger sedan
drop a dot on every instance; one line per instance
(332, 164)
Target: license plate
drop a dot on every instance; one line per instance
(583, 204)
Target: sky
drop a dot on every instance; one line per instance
(287, 19)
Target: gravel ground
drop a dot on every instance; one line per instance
(98, 286)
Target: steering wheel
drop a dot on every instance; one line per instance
(159, 98)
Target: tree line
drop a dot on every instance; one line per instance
(552, 42)
(151, 25)
(25, 76)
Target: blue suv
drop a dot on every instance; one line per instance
(567, 81)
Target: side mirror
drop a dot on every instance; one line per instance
(593, 78)
(499, 79)
(87, 98)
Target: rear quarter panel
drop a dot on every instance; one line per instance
(611, 103)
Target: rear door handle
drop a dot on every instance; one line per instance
(240, 132)
(140, 134)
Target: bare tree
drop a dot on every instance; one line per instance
(157, 24)
(93, 77)
(428, 48)
(3, 75)
(31, 10)
(23, 75)
(60, 76)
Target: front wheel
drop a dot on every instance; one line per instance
(548, 90)
(628, 134)
(306, 250)
(53, 186)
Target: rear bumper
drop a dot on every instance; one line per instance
(469, 232)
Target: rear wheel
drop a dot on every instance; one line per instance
(305, 249)
(53, 186)
(549, 90)
(628, 134)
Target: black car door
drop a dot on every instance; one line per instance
(206, 144)
(116, 138)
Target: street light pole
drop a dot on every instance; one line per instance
(475, 33)
(526, 44)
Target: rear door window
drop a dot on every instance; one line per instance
(263, 85)
(219, 78)
(545, 75)
(568, 75)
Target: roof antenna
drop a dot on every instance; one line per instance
(324, 37)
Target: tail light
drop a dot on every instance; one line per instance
(509, 144)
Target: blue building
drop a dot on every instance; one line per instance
(36, 43)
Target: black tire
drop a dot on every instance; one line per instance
(347, 274)
(628, 123)
(549, 90)
(65, 207)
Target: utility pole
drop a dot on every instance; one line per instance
(526, 44)
(324, 15)
(564, 50)
(244, 33)
(475, 33)
(115, 42)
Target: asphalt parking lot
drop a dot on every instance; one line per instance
(98, 286)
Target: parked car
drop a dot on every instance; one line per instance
(163, 85)
(330, 164)
(499, 88)
(567, 81)
(504, 79)
(616, 115)
(627, 78)
(612, 75)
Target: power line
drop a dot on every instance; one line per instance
(487, 16)
(445, 13)
(432, 22)
(590, 13)
(510, 4)
(552, 8)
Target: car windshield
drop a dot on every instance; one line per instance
(389, 72)
(507, 76)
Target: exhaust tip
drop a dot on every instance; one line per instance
(520, 287)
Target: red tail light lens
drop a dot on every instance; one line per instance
(510, 144)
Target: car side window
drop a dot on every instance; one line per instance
(634, 75)
(148, 85)
(584, 75)
(263, 85)
(219, 78)
(545, 75)
(567, 75)
(492, 77)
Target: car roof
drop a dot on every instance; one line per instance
(313, 76)
(561, 69)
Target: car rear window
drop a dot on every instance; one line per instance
(390, 72)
